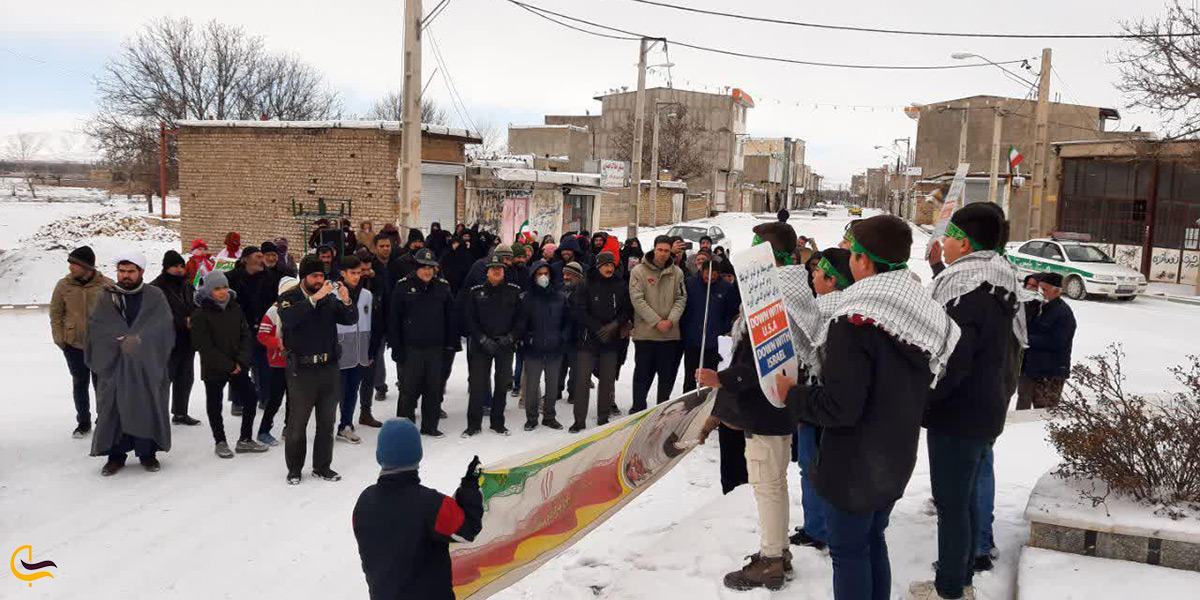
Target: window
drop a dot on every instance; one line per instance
(1091, 254)
(717, 232)
(1052, 252)
(1032, 248)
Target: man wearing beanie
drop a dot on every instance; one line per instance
(883, 346)
(181, 369)
(1047, 361)
(404, 529)
(310, 314)
(706, 293)
(130, 336)
(658, 296)
(979, 290)
(71, 306)
(493, 325)
(602, 313)
(257, 289)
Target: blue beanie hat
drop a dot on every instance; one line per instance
(399, 445)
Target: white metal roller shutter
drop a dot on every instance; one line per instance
(438, 191)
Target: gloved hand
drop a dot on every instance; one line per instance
(489, 345)
(472, 471)
(607, 332)
(507, 343)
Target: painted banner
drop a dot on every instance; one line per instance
(953, 200)
(538, 504)
(514, 212)
(766, 317)
(221, 264)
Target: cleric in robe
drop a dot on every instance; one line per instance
(131, 335)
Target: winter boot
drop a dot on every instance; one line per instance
(615, 411)
(801, 538)
(925, 590)
(552, 424)
(244, 446)
(346, 434)
(327, 474)
(759, 572)
(150, 464)
(185, 420)
(471, 432)
(223, 450)
(500, 429)
(433, 433)
(381, 394)
(81, 431)
(983, 563)
(111, 467)
(366, 418)
(577, 427)
(530, 425)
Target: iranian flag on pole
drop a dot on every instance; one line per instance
(1014, 159)
(525, 232)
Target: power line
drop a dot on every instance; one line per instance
(537, 9)
(455, 96)
(433, 14)
(1043, 36)
(580, 29)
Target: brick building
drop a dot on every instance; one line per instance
(267, 178)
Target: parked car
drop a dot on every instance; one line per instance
(820, 212)
(1087, 270)
(855, 211)
(693, 233)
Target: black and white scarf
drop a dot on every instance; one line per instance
(968, 273)
(901, 306)
(804, 315)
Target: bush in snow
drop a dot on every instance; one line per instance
(1146, 448)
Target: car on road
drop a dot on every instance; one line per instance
(693, 233)
(820, 212)
(1086, 269)
(855, 211)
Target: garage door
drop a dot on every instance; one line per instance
(438, 190)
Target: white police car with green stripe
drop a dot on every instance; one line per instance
(1086, 269)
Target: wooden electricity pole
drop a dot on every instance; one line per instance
(1041, 143)
(993, 183)
(409, 212)
(639, 124)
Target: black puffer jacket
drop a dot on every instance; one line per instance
(181, 296)
(599, 301)
(547, 320)
(222, 338)
(256, 293)
(971, 399)
(870, 401)
(421, 315)
(494, 312)
(1051, 335)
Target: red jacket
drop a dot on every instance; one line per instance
(270, 335)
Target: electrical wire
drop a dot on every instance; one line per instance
(433, 14)
(1043, 36)
(580, 29)
(455, 96)
(538, 9)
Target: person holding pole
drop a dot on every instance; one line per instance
(709, 312)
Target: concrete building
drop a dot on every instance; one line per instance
(266, 179)
(858, 187)
(502, 194)
(794, 176)
(940, 124)
(572, 142)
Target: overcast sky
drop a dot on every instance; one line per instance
(512, 67)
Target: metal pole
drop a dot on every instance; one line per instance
(704, 331)
(962, 134)
(409, 213)
(654, 169)
(162, 165)
(993, 183)
(1041, 141)
(639, 123)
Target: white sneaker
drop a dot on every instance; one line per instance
(347, 435)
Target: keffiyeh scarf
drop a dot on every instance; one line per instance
(803, 312)
(966, 274)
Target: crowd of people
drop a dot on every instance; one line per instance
(540, 319)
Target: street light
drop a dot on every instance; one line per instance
(966, 55)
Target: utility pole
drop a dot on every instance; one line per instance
(410, 116)
(962, 134)
(993, 183)
(654, 167)
(639, 123)
(1041, 143)
(787, 173)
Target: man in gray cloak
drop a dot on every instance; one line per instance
(131, 335)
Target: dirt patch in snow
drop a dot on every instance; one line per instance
(69, 232)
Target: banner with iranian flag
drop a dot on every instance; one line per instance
(525, 232)
(538, 504)
(1014, 159)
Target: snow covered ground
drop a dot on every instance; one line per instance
(210, 528)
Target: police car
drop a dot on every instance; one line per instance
(1086, 269)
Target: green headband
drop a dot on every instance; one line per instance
(782, 257)
(858, 248)
(956, 232)
(827, 267)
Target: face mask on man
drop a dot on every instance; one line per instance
(543, 280)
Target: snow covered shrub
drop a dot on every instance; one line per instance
(1146, 448)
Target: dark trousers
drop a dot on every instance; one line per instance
(142, 448)
(350, 378)
(241, 387)
(691, 362)
(79, 385)
(1039, 392)
(311, 389)
(954, 463)
(261, 371)
(519, 370)
(570, 375)
(535, 366)
(810, 501)
(181, 370)
(278, 377)
(605, 364)
(373, 375)
(650, 360)
(482, 384)
(861, 570)
(732, 444)
(423, 381)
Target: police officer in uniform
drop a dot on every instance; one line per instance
(421, 330)
(493, 325)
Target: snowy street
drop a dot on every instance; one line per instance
(210, 528)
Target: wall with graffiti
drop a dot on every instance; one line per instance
(1168, 265)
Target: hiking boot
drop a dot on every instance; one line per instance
(236, 410)
(925, 590)
(265, 438)
(983, 563)
(788, 571)
(369, 420)
(185, 420)
(530, 425)
(552, 424)
(471, 432)
(801, 538)
(223, 451)
(293, 479)
(81, 431)
(150, 463)
(111, 467)
(433, 433)
(759, 572)
(380, 395)
(327, 475)
(346, 434)
(500, 429)
(244, 446)
(577, 427)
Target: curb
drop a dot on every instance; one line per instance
(1175, 299)
(23, 306)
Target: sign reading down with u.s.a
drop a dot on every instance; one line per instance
(766, 318)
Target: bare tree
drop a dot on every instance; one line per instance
(495, 141)
(23, 149)
(683, 144)
(1160, 71)
(389, 108)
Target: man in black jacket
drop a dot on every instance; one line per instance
(547, 325)
(1048, 359)
(421, 328)
(603, 319)
(381, 285)
(404, 529)
(870, 400)
(181, 367)
(493, 326)
(967, 409)
(257, 289)
(310, 315)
